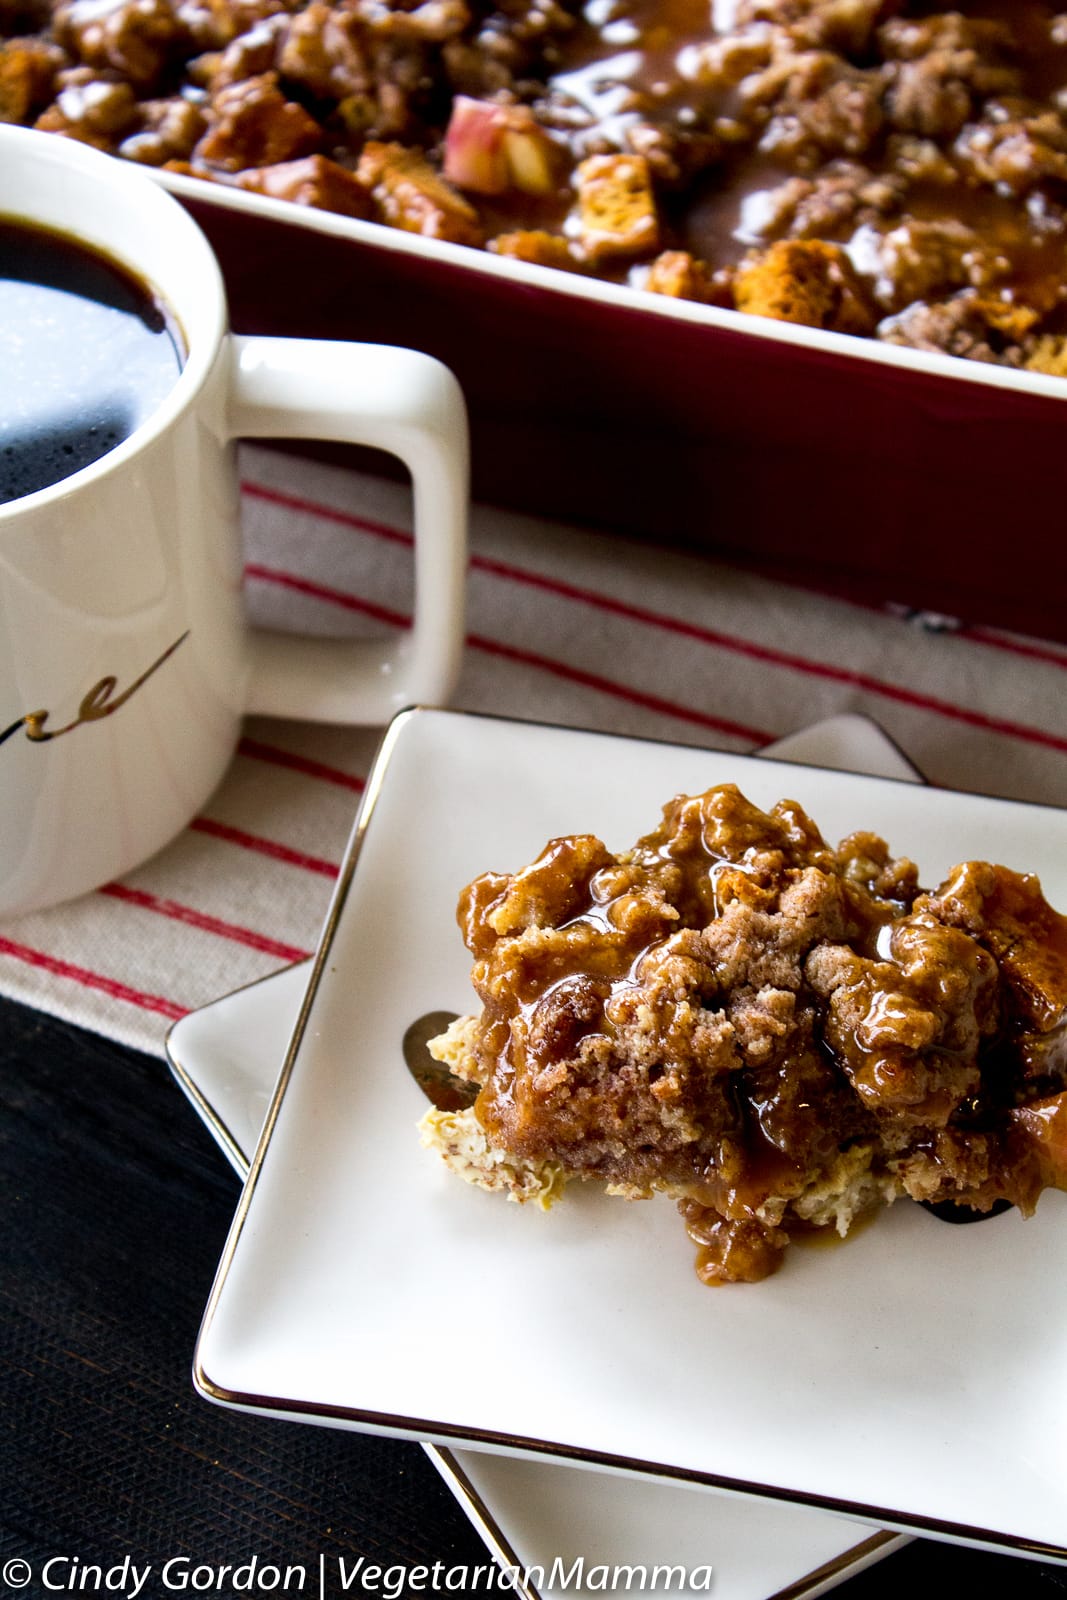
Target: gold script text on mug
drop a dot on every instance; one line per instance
(95, 704)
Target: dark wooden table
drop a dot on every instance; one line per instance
(115, 1205)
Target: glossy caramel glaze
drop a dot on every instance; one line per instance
(780, 1034)
(880, 167)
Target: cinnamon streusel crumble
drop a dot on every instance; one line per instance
(890, 168)
(780, 1034)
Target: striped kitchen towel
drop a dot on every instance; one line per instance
(565, 626)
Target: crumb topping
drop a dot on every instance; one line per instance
(780, 1034)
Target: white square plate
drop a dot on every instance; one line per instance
(916, 1377)
(532, 1512)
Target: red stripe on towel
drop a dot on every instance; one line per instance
(203, 921)
(92, 980)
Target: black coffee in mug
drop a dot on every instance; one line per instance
(87, 353)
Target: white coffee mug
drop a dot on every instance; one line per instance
(126, 662)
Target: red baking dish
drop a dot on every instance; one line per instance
(881, 472)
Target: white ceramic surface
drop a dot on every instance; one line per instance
(121, 624)
(879, 1380)
(226, 1058)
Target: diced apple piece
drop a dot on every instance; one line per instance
(529, 155)
(492, 148)
(474, 146)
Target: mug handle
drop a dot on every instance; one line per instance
(410, 405)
